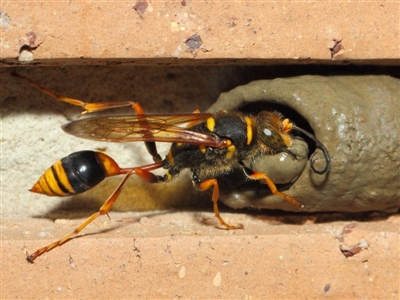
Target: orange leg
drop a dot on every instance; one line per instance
(100, 106)
(205, 185)
(104, 209)
(142, 172)
(88, 107)
(274, 190)
(262, 176)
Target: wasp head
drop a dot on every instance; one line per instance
(273, 131)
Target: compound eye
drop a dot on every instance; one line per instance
(272, 138)
(268, 130)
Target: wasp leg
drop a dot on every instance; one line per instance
(205, 185)
(262, 176)
(99, 106)
(102, 211)
(150, 146)
(105, 208)
(88, 107)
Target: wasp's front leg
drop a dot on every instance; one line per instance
(263, 177)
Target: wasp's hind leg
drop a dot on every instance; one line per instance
(143, 172)
(205, 185)
(100, 106)
(104, 209)
(88, 107)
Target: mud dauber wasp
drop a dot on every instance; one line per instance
(210, 146)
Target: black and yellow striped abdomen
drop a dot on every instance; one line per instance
(75, 174)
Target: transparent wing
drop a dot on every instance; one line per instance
(147, 128)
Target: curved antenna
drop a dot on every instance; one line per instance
(319, 145)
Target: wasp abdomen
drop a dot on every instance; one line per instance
(75, 174)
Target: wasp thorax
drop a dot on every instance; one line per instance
(270, 130)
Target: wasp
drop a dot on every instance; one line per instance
(210, 145)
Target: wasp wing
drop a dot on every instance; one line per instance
(145, 128)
